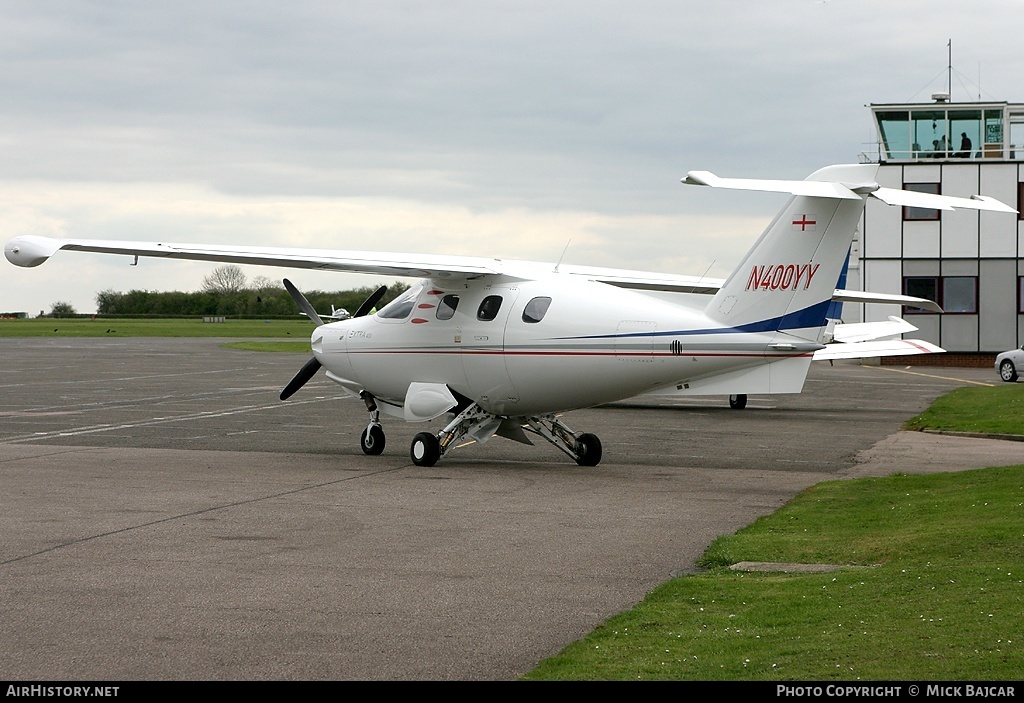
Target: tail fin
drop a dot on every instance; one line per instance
(787, 280)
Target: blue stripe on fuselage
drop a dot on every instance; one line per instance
(813, 316)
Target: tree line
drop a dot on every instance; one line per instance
(226, 292)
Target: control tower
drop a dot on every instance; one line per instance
(968, 262)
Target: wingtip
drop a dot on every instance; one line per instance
(29, 250)
(697, 178)
(994, 204)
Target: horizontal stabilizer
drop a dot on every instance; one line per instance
(867, 331)
(893, 196)
(871, 350)
(861, 183)
(856, 296)
(818, 189)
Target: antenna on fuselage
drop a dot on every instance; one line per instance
(559, 263)
(701, 279)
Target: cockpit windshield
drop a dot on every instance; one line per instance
(400, 307)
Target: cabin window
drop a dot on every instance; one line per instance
(921, 213)
(488, 309)
(536, 309)
(446, 308)
(400, 307)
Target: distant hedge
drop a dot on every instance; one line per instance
(250, 303)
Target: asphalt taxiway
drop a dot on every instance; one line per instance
(165, 516)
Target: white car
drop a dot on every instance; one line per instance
(1008, 362)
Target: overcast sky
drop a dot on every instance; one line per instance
(505, 129)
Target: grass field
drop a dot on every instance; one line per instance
(932, 589)
(299, 328)
(996, 410)
(932, 584)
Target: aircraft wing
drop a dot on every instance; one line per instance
(31, 250)
(646, 280)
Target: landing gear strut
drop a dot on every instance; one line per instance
(479, 425)
(427, 449)
(585, 448)
(372, 439)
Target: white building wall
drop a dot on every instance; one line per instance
(998, 230)
(997, 304)
(882, 223)
(961, 243)
(959, 227)
(882, 276)
(921, 239)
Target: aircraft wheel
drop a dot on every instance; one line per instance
(1007, 372)
(738, 402)
(425, 449)
(372, 440)
(588, 450)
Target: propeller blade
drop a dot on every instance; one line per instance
(301, 301)
(371, 302)
(307, 372)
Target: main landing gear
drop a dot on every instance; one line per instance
(479, 425)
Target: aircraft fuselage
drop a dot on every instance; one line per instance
(530, 347)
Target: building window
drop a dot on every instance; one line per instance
(960, 294)
(1020, 294)
(921, 213)
(954, 294)
(926, 287)
(1020, 201)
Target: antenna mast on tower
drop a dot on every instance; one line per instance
(949, 68)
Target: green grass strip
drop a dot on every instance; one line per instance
(932, 588)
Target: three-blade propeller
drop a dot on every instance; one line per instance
(310, 368)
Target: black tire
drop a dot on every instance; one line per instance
(588, 450)
(738, 402)
(1007, 371)
(372, 440)
(425, 450)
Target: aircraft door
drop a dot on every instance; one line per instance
(483, 350)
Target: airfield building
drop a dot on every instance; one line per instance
(969, 262)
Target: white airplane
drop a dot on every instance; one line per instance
(507, 346)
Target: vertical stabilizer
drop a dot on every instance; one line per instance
(787, 279)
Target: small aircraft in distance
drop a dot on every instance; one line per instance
(506, 346)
